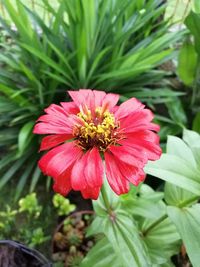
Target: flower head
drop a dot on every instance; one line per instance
(90, 129)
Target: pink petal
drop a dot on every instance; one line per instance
(91, 193)
(81, 97)
(116, 180)
(84, 97)
(70, 107)
(57, 160)
(62, 184)
(78, 181)
(152, 150)
(54, 122)
(139, 120)
(125, 154)
(51, 141)
(54, 109)
(110, 100)
(127, 107)
(146, 135)
(98, 97)
(47, 128)
(94, 168)
(133, 174)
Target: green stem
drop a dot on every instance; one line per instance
(105, 198)
(164, 217)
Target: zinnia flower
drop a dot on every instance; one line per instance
(92, 129)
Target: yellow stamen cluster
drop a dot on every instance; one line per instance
(98, 129)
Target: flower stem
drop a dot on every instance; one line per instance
(105, 198)
(165, 216)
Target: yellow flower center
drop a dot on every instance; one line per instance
(99, 129)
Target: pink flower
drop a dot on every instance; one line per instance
(90, 129)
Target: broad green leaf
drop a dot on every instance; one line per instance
(162, 241)
(177, 171)
(193, 23)
(146, 192)
(187, 221)
(119, 228)
(177, 147)
(192, 138)
(124, 236)
(196, 6)
(142, 207)
(143, 201)
(25, 136)
(101, 255)
(175, 195)
(167, 264)
(187, 63)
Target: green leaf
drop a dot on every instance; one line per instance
(119, 235)
(162, 241)
(177, 171)
(196, 123)
(142, 207)
(191, 138)
(45, 58)
(196, 6)
(177, 147)
(175, 195)
(35, 177)
(187, 221)
(187, 63)
(146, 203)
(177, 112)
(193, 23)
(23, 180)
(11, 93)
(101, 255)
(177, 10)
(11, 171)
(115, 224)
(25, 136)
(22, 27)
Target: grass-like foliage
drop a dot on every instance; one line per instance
(110, 45)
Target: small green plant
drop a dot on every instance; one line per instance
(7, 219)
(30, 205)
(63, 205)
(27, 216)
(38, 237)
